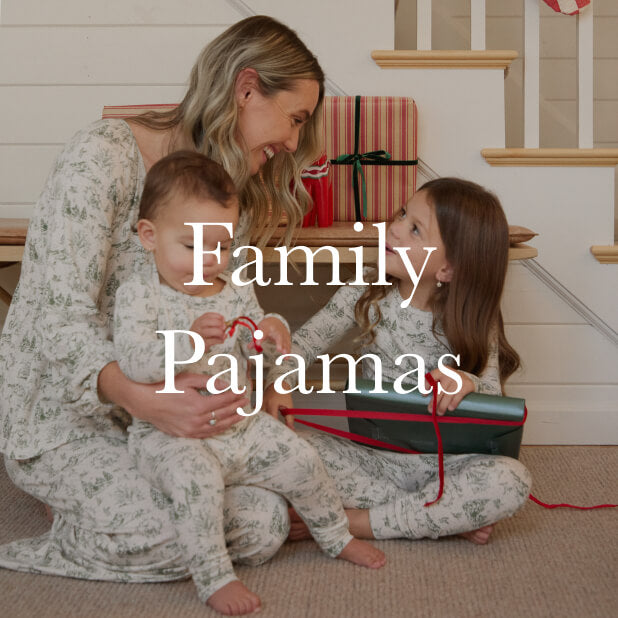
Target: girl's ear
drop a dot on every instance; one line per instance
(247, 82)
(147, 234)
(445, 273)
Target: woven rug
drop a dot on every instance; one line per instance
(539, 563)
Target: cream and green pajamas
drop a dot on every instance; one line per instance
(478, 489)
(62, 444)
(258, 450)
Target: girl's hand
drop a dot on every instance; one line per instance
(273, 401)
(277, 332)
(184, 415)
(450, 402)
(211, 327)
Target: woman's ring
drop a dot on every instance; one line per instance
(213, 419)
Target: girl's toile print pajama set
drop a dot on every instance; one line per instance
(479, 489)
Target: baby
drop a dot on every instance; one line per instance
(182, 188)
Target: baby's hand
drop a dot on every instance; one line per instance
(275, 330)
(450, 402)
(273, 401)
(211, 327)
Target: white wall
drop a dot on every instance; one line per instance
(61, 62)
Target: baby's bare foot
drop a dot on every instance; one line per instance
(480, 536)
(234, 599)
(364, 554)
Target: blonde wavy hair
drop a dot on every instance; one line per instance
(208, 115)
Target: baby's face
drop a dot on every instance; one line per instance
(173, 241)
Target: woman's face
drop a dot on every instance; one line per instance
(268, 125)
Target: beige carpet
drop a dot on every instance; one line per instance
(540, 563)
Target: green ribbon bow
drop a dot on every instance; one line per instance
(357, 159)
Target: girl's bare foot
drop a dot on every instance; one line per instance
(364, 554)
(480, 536)
(234, 599)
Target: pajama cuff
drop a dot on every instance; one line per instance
(334, 549)
(331, 539)
(207, 586)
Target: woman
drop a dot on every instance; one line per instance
(252, 104)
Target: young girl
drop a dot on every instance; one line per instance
(455, 309)
(188, 187)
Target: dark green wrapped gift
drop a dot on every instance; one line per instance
(481, 423)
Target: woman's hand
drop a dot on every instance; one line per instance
(211, 327)
(276, 331)
(274, 401)
(183, 415)
(450, 402)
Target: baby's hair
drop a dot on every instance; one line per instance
(466, 311)
(188, 174)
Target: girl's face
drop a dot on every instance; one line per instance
(414, 227)
(171, 241)
(268, 125)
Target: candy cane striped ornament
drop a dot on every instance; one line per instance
(567, 7)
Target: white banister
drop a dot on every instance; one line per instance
(477, 24)
(531, 73)
(585, 103)
(423, 24)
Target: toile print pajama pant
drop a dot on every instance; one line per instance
(110, 524)
(258, 451)
(478, 489)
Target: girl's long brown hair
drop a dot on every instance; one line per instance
(466, 311)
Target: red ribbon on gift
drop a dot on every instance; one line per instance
(435, 419)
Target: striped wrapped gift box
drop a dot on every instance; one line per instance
(384, 123)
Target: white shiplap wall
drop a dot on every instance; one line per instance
(60, 62)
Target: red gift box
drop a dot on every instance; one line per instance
(317, 182)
